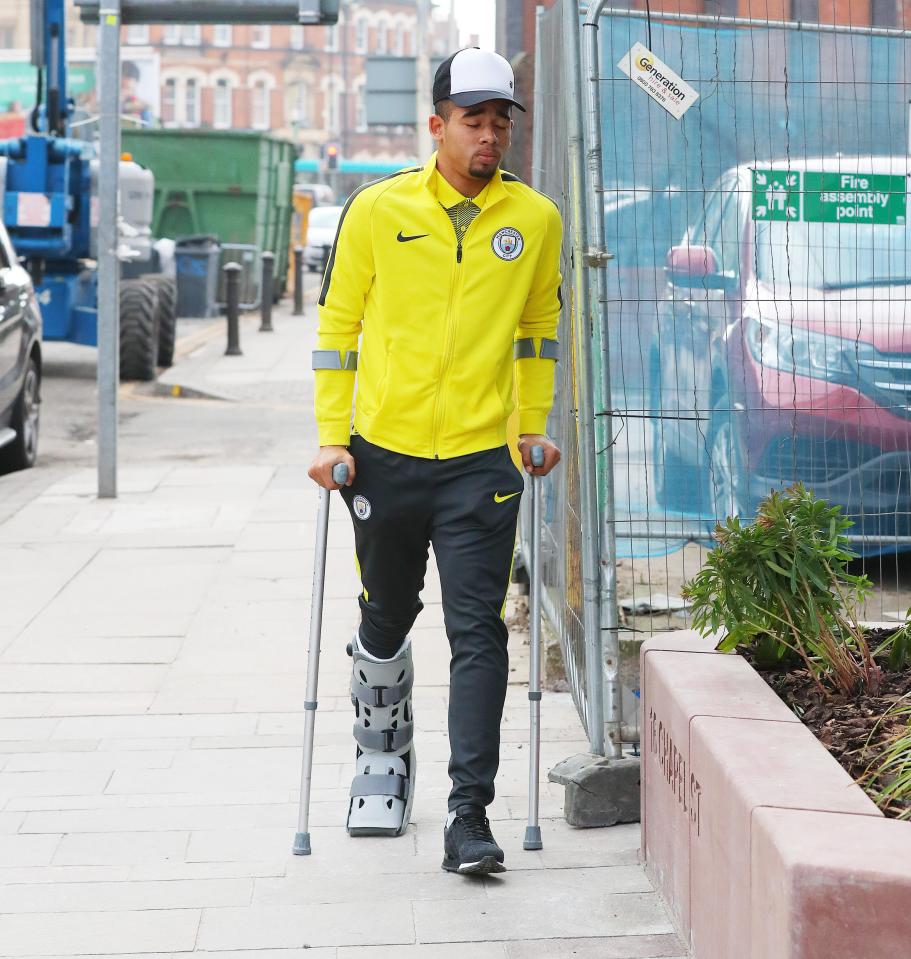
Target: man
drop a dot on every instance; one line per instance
(449, 275)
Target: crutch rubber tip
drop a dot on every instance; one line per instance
(532, 838)
(301, 844)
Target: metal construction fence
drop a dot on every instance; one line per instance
(737, 274)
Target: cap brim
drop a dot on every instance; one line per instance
(475, 97)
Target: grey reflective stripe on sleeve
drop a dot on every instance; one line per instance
(524, 349)
(332, 360)
(550, 350)
(369, 784)
(384, 740)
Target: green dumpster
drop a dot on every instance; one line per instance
(232, 185)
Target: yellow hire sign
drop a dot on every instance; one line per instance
(658, 80)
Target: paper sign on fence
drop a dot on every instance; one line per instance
(658, 80)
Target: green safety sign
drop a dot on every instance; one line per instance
(776, 195)
(854, 198)
(816, 197)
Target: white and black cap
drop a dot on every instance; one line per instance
(472, 76)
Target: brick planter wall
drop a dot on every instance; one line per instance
(758, 840)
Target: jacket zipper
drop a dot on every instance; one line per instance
(440, 403)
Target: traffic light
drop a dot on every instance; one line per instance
(332, 156)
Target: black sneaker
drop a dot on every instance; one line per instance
(469, 846)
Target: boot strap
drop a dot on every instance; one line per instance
(370, 784)
(384, 740)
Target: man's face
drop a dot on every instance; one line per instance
(474, 139)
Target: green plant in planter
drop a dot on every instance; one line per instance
(890, 774)
(781, 587)
(898, 645)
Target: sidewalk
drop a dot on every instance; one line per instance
(152, 662)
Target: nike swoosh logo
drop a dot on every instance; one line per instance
(405, 239)
(502, 499)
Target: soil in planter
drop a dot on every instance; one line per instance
(853, 731)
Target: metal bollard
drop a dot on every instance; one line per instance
(298, 281)
(232, 307)
(266, 292)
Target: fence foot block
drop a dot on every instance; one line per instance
(599, 791)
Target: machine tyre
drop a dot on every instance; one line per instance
(23, 451)
(138, 329)
(167, 317)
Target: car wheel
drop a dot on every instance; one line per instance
(727, 478)
(166, 287)
(138, 330)
(23, 451)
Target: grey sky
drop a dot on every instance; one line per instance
(475, 16)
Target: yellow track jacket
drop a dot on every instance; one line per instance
(443, 327)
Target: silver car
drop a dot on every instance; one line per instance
(20, 362)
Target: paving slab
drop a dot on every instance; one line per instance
(151, 692)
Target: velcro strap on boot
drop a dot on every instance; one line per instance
(384, 740)
(382, 695)
(369, 784)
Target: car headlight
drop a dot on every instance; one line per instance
(780, 346)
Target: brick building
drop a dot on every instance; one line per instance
(303, 83)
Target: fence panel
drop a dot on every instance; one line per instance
(754, 312)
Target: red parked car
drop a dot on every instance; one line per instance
(783, 350)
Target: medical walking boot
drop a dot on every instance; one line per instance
(382, 790)
(468, 844)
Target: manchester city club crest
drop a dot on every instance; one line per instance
(362, 507)
(508, 243)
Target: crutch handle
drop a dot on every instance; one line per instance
(340, 473)
(537, 456)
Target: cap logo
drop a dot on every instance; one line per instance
(508, 243)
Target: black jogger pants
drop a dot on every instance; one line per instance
(466, 508)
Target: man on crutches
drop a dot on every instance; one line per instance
(441, 297)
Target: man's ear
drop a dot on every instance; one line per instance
(436, 126)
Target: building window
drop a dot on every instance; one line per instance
(884, 13)
(222, 35)
(381, 47)
(300, 106)
(138, 33)
(332, 38)
(222, 113)
(361, 110)
(261, 37)
(172, 34)
(398, 42)
(360, 35)
(191, 35)
(169, 102)
(297, 37)
(191, 103)
(260, 106)
(333, 106)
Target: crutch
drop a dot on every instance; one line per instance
(302, 837)
(533, 830)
